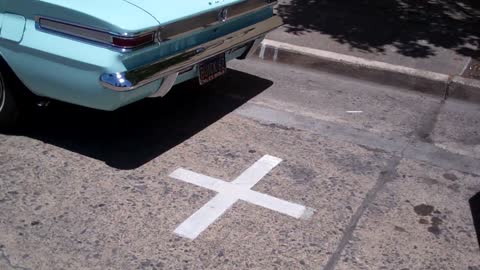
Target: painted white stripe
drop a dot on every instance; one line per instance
(200, 220)
(272, 203)
(257, 171)
(196, 179)
(229, 193)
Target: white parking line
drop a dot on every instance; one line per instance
(354, 112)
(229, 193)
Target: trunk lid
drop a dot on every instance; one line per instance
(169, 12)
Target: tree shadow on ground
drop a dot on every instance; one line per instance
(475, 208)
(134, 135)
(411, 26)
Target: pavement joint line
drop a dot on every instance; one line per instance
(385, 176)
(447, 88)
(466, 65)
(231, 192)
(394, 145)
(445, 85)
(262, 52)
(428, 122)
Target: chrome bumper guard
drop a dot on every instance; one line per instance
(169, 67)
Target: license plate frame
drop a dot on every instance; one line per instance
(212, 68)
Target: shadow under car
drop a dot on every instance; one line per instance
(134, 135)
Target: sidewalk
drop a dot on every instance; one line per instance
(439, 36)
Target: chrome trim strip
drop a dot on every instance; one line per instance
(124, 35)
(86, 33)
(252, 48)
(164, 33)
(75, 30)
(208, 19)
(167, 84)
(2, 93)
(133, 79)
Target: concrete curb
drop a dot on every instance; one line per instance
(466, 89)
(405, 77)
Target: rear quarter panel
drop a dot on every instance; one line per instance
(113, 15)
(63, 68)
(68, 70)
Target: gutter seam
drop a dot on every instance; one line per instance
(143, 10)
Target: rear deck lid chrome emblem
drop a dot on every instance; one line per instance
(223, 15)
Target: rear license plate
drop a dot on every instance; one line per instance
(212, 69)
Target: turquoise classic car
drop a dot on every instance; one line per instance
(105, 54)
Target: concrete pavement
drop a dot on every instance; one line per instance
(431, 48)
(390, 175)
(436, 36)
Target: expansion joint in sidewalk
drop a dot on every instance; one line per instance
(385, 176)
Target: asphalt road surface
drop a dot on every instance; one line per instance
(268, 167)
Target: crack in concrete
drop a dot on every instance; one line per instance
(428, 123)
(447, 87)
(398, 147)
(4, 257)
(385, 176)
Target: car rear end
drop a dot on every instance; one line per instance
(114, 64)
(228, 31)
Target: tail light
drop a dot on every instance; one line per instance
(96, 35)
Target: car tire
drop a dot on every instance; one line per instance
(10, 103)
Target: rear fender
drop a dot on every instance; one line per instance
(18, 86)
(12, 27)
(108, 15)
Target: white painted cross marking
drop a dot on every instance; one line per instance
(229, 193)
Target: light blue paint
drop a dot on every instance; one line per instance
(113, 15)
(179, 9)
(13, 27)
(68, 69)
(1, 20)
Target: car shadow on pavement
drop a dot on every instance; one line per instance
(475, 208)
(415, 28)
(134, 135)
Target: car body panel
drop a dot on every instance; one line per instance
(12, 27)
(152, 53)
(68, 69)
(182, 9)
(102, 14)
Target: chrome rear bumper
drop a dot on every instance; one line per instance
(171, 66)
